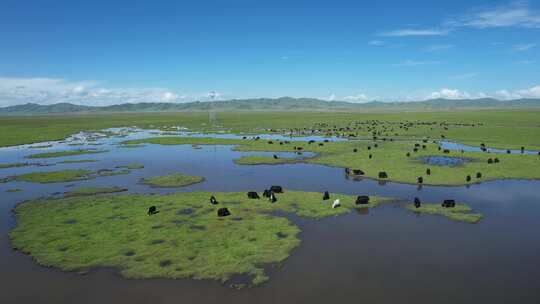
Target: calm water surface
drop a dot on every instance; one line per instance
(385, 255)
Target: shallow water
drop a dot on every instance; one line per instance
(458, 147)
(447, 161)
(383, 255)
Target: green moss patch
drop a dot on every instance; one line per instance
(172, 180)
(460, 213)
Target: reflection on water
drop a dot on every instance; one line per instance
(380, 255)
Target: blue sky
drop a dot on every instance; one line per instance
(104, 52)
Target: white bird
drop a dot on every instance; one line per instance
(336, 204)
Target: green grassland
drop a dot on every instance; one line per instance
(504, 129)
(185, 239)
(460, 212)
(172, 180)
(389, 156)
(65, 153)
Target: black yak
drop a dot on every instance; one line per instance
(213, 200)
(383, 174)
(253, 195)
(448, 203)
(362, 200)
(417, 202)
(223, 212)
(326, 195)
(152, 210)
(276, 189)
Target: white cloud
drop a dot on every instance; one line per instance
(55, 90)
(376, 43)
(439, 47)
(446, 93)
(517, 14)
(523, 47)
(415, 32)
(411, 63)
(533, 92)
(332, 97)
(357, 98)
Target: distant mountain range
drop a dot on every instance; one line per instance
(277, 104)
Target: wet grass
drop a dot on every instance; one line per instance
(460, 213)
(172, 180)
(132, 166)
(55, 176)
(64, 175)
(13, 165)
(174, 243)
(87, 191)
(78, 161)
(65, 153)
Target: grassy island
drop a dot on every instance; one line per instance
(460, 213)
(172, 180)
(65, 153)
(184, 239)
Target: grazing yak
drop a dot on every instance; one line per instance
(276, 157)
(152, 210)
(420, 180)
(446, 151)
(478, 175)
(468, 178)
(326, 196)
(495, 160)
(490, 161)
(428, 171)
(336, 204)
(383, 174)
(417, 202)
(362, 200)
(276, 189)
(253, 195)
(266, 193)
(355, 150)
(408, 154)
(370, 156)
(448, 203)
(272, 198)
(223, 212)
(213, 200)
